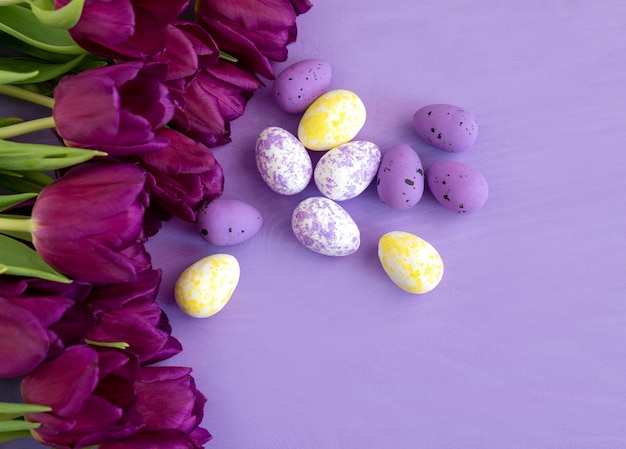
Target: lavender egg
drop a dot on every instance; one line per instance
(457, 186)
(300, 84)
(225, 222)
(447, 127)
(345, 171)
(325, 227)
(400, 180)
(282, 161)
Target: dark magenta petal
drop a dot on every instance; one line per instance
(63, 383)
(24, 340)
(116, 108)
(97, 236)
(124, 29)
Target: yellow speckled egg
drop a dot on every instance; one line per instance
(333, 119)
(411, 263)
(205, 287)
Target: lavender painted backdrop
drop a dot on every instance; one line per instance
(523, 344)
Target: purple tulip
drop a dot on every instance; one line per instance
(216, 96)
(172, 423)
(29, 308)
(92, 396)
(189, 48)
(124, 29)
(186, 175)
(116, 108)
(88, 223)
(254, 32)
(129, 313)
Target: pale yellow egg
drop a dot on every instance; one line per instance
(205, 287)
(333, 119)
(411, 263)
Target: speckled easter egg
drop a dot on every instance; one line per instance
(333, 119)
(400, 180)
(325, 227)
(345, 171)
(457, 186)
(225, 222)
(296, 87)
(282, 161)
(447, 127)
(411, 263)
(205, 287)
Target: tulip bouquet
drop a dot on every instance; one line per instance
(138, 96)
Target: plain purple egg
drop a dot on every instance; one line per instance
(447, 127)
(457, 186)
(224, 222)
(400, 180)
(300, 84)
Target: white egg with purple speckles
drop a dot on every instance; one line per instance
(282, 161)
(345, 171)
(325, 227)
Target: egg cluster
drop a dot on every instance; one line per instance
(329, 123)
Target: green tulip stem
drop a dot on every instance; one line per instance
(21, 224)
(26, 95)
(18, 129)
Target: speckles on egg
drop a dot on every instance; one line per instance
(333, 119)
(345, 171)
(324, 227)
(282, 161)
(446, 127)
(205, 287)
(400, 181)
(296, 87)
(411, 263)
(224, 222)
(457, 186)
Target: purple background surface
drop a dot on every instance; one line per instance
(523, 343)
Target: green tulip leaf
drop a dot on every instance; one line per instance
(19, 409)
(64, 18)
(37, 70)
(8, 41)
(22, 24)
(7, 77)
(34, 156)
(25, 181)
(20, 260)
(8, 121)
(7, 201)
(15, 425)
(10, 436)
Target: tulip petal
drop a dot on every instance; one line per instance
(20, 325)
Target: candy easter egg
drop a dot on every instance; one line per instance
(400, 180)
(457, 186)
(205, 287)
(447, 127)
(224, 222)
(296, 87)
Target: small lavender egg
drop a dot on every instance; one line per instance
(225, 222)
(325, 227)
(300, 84)
(282, 161)
(447, 127)
(457, 186)
(400, 180)
(345, 171)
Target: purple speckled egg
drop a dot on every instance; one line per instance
(400, 180)
(447, 127)
(325, 227)
(457, 186)
(283, 162)
(225, 222)
(345, 171)
(300, 84)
